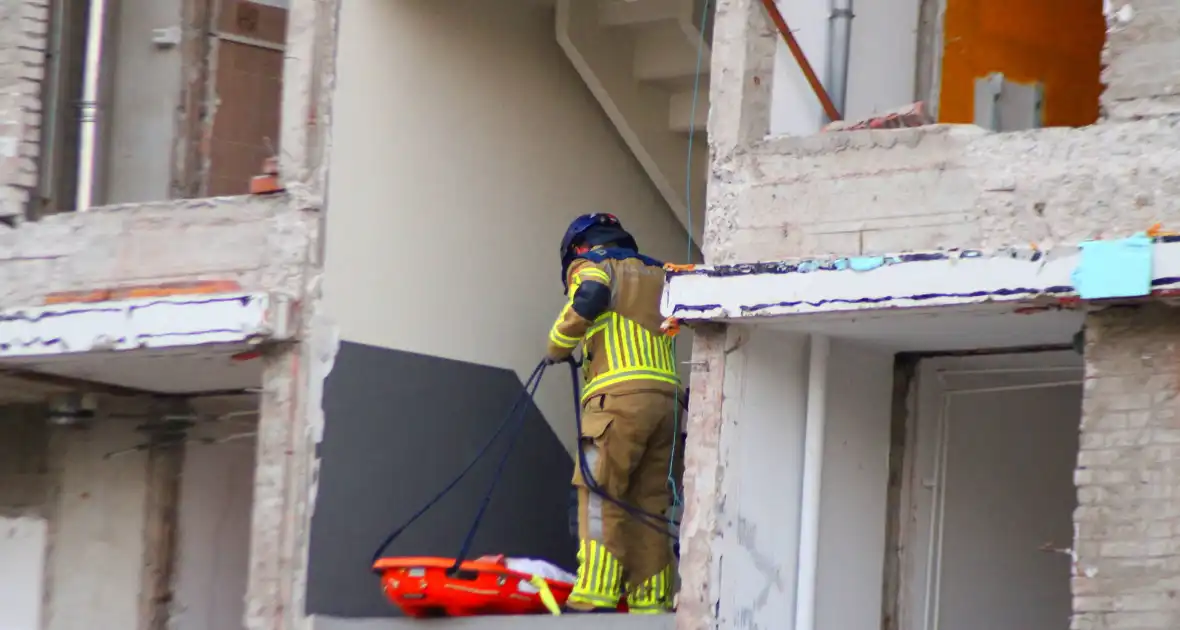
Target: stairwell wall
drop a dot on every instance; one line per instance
(456, 168)
(463, 143)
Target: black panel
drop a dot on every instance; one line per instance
(398, 427)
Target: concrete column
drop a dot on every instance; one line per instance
(741, 75)
(1139, 63)
(703, 470)
(739, 112)
(283, 491)
(1126, 524)
(99, 541)
(161, 531)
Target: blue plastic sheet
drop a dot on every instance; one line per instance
(1114, 269)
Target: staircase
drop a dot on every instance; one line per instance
(640, 60)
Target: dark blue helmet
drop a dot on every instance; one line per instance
(593, 229)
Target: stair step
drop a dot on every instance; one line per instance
(665, 53)
(639, 12)
(681, 117)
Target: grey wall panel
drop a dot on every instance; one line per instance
(398, 427)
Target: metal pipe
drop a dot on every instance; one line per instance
(825, 101)
(839, 51)
(88, 107)
(1013, 388)
(52, 105)
(249, 41)
(813, 467)
(1015, 370)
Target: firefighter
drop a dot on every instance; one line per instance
(628, 404)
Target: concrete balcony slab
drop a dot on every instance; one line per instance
(169, 344)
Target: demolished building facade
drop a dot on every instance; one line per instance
(216, 380)
(894, 422)
(206, 424)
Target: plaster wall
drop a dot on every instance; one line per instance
(882, 62)
(83, 518)
(216, 493)
(24, 522)
(144, 99)
(22, 571)
(446, 212)
(762, 444)
(100, 514)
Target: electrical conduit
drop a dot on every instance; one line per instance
(88, 108)
(839, 52)
(813, 466)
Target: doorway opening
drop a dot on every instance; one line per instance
(987, 494)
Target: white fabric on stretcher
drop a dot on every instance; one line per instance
(541, 568)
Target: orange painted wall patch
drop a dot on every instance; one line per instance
(168, 289)
(1056, 42)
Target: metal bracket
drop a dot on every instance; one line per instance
(1003, 105)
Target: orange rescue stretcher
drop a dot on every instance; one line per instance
(426, 587)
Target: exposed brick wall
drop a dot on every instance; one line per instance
(1127, 574)
(248, 87)
(24, 27)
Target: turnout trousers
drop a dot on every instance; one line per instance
(628, 443)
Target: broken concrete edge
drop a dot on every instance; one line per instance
(157, 323)
(704, 470)
(309, 78)
(771, 197)
(1039, 279)
(287, 470)
(247, 243)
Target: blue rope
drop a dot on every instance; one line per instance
(692, 121)
(515, 419)
(592, 483)
(487, 497)
(526, 394)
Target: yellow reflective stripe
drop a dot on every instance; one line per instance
(558, 342)
(556, 336)
(627, 375)
(653, 594)
(629, 345)
(581, 583)
(612, 343)
(593, 274)
(631, 335)
(590, 598)
(599, 575)
(632, 353)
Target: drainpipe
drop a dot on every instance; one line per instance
(813, 466)
(839, 51)
(88, 108)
